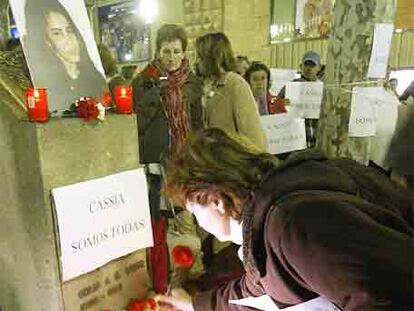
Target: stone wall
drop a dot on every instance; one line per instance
(28, 258)
(35, 158)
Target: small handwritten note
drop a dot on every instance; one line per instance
(305, 98)
(363, 119)
(284, 133)
(380, 51)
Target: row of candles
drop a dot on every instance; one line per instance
(37, 102)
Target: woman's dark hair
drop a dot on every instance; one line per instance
(168, 33)
(216, 164)
(215, 53)
(257, 66)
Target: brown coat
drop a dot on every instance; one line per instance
(230, 106)
(325, 227)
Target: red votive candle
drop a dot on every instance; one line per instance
(36, 103)
(123, 99)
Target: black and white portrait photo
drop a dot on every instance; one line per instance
(60, 50)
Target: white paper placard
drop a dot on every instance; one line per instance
(284, 133)
(305, 98)
(387, 116)
(363, 118)
(101, 220)
(380, 50)
(279, 78)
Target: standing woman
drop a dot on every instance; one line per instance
(228, 100)
(167, 101)
(258, 77)
(167, 97)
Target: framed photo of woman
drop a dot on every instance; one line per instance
(60, 50)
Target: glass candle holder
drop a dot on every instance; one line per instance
(123, 99)
(36, 103)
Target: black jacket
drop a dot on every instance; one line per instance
(153, 129)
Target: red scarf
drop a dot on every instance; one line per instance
(174, 106)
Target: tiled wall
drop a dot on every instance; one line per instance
(245, 22)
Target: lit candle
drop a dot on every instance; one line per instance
(123, 99)
(36, 103)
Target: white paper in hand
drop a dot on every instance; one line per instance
(305, 98)
(264, 303)
(317, 304)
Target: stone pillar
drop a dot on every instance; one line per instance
(348, 59)
(35, 158)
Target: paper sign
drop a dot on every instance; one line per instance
(317, 304)
(380, 50)
(305, 98)
(279, 78)
(363, 119)
(101, 220)
(387, 115)
(284, 133)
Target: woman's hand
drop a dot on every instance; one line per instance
(179, 301)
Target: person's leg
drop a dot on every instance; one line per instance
(158, 254)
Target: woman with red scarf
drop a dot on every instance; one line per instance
(167, 101)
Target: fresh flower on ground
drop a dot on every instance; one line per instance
(182, 256)
(142, 305)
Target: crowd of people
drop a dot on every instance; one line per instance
(200, 136)
(308, 225)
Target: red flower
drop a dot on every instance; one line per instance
(87, 109)
(141, 305)
(107, 98)
(182, 256)
(151, 72)
(276, 105)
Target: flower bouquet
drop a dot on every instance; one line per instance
(88, 109)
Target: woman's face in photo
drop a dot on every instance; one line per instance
(171, 55)
(61, 36)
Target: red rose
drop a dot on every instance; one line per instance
(151, 303)
(141, 305)
(182, 256)
(87, 109)
(151, 72)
